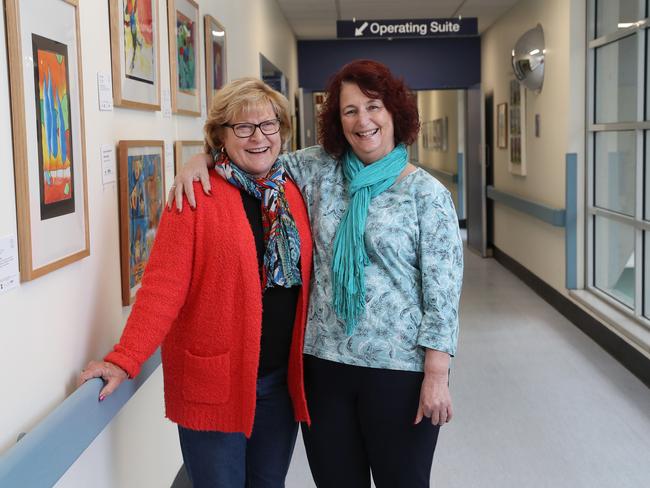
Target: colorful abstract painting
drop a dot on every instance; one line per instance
(145, 202)
(54, 132)
(139, 55)
(186, 47)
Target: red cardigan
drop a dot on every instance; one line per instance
(201, 298)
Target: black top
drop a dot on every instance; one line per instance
(278, 303)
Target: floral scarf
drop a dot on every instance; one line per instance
(281, 238)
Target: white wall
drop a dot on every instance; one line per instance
(535, 244)
(52, 326)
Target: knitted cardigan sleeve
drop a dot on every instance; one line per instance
(165, 285)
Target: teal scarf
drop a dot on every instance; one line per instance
(350, 257)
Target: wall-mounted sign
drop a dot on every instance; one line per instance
(367, 29)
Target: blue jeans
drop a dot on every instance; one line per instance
(229, 460)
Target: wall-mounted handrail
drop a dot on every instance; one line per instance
(440, 174)
(443, 175)
(42, 456)
(550, 215)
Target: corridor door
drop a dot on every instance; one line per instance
(475, 167)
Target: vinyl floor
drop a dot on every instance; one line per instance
(537, 403)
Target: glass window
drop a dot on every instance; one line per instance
(646, 202)
(612, 15)
(614, 259)
(615, 163)
(646, 274)
(647, 76)
(618, 204)
(616, 81)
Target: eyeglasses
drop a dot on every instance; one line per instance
(247, 129)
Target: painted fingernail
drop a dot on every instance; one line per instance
(101, 398)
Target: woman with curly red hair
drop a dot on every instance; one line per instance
(383, 313)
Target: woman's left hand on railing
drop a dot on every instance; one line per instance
(112, 375)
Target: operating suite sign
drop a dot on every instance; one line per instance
(389, 29)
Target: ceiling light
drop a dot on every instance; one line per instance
(218, 33)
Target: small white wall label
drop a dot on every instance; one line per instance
(9, 277)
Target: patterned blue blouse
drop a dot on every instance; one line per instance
(414, 278)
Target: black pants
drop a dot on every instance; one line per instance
(362, 420)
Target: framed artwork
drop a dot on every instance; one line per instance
(141, 192)
(184, 150)
(135, 53)
(439, 135)
(318, 99)
(517, 129)
(183, 18)
(502, 125)
(424, 134)
(48, 134)
(216, 72)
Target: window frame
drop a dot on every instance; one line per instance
(641, 127)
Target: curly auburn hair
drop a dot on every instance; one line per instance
(376, 81)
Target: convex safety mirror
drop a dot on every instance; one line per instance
(528, 58)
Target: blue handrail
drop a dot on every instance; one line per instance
(442, 175)
(550, 215)
(44, 454)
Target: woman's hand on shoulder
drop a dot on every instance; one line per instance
(112, 375)
(196, 169)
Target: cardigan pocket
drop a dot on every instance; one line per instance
(206, 379)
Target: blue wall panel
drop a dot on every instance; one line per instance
(571, 233)
(425, 64)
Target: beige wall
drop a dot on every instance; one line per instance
(560, 105)
(432, 105)
(52, 326)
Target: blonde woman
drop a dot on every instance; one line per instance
(225, 293)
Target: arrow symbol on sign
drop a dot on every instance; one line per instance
(358, 31)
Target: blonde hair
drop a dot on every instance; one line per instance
(239, 97)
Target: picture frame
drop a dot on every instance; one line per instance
(439, 128)
(135, 54)
(184, 46)
(502, 125)
(49, 150)
(216, 67)
(517, 129)
(142, 194)
(184, 150)
(426, 136)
